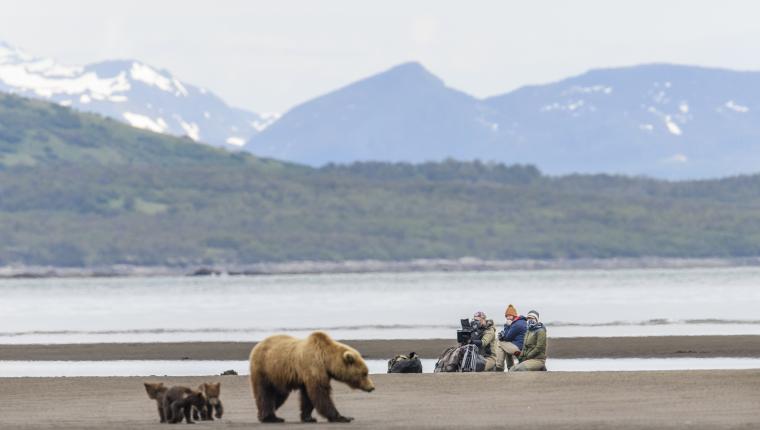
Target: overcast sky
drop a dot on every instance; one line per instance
(271, 55)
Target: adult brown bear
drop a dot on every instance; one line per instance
(281, 364)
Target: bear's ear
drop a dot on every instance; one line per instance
(153, 385)
(349, 357)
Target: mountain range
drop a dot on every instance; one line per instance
(659, 120)
(132, 92)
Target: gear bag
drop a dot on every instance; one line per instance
(448, 361)
(405, 364)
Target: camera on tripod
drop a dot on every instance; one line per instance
(468, 331)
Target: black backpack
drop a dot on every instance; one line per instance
(405, 364)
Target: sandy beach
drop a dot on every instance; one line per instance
(715, 399)
(621, 400)
(582, 347)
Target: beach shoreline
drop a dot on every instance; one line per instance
(465, 264)
(694, 399)
(560, 400)
(579, 347)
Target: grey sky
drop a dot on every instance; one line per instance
(271, 55)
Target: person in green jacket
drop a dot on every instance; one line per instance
(486, 340)
(533, 354)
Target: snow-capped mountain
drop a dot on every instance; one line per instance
(663, 120)
(660, 120)
(132, 92)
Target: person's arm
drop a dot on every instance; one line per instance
(539, 349)
(514, 329)
(487, 338)
(503, 333)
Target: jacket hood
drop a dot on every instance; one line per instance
(538, 326)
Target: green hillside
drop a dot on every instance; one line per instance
(35, 133)
(79, 190)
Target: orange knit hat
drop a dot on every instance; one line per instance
(510, 311)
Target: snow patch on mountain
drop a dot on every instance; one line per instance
(192, 130)
(130, 91)
(673, 128)
(236, 141)
(141, 121)
(571, 105)
(265, 120)
(603, 89)
(736, 107)
(22, 80)
(148, 75)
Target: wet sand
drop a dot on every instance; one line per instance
(590, 347)
(621, 400)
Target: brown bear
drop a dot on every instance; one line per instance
(156, 391)
(281, 364)
(178, 402)
(213, 404)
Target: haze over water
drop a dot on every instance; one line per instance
(366, 306)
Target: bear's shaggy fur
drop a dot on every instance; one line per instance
(178, 402)
(156, 391)
(281, 364)
(213, 404)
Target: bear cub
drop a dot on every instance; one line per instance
(156, 391)
(213, 404)
(178, 402)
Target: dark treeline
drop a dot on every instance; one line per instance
(87, 215)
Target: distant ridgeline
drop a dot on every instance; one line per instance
(658, 120)
(79, 190)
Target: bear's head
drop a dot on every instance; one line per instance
(154, 389)
(212, 391)
(344, 363)
(354, 371)
(196, 398)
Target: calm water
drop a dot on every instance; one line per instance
(202, 368)
(364, 306)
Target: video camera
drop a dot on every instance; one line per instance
(469, 328)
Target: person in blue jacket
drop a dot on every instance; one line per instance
(510, 339)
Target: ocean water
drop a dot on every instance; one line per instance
(377, 306)
(149, 368)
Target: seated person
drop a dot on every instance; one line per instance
(533, 354)
(510, 339)
(485, 339)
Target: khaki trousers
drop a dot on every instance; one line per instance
(505, 351)
(529, 365)
(490, 364)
